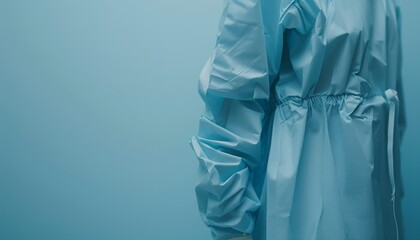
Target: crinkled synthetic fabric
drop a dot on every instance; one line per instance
(303, 121)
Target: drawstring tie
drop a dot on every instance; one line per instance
(393, 102)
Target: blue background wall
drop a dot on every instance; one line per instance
(98, 100)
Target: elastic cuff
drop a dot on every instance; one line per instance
(228, 234)
(246, 236)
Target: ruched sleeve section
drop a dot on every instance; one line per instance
(235, 86)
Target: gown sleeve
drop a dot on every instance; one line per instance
(235, 87)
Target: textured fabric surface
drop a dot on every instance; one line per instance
(303, 119)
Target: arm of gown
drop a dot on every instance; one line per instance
(235, 86)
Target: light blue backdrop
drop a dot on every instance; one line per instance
(98, 99)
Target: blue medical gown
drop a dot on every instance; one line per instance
(303, 120)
